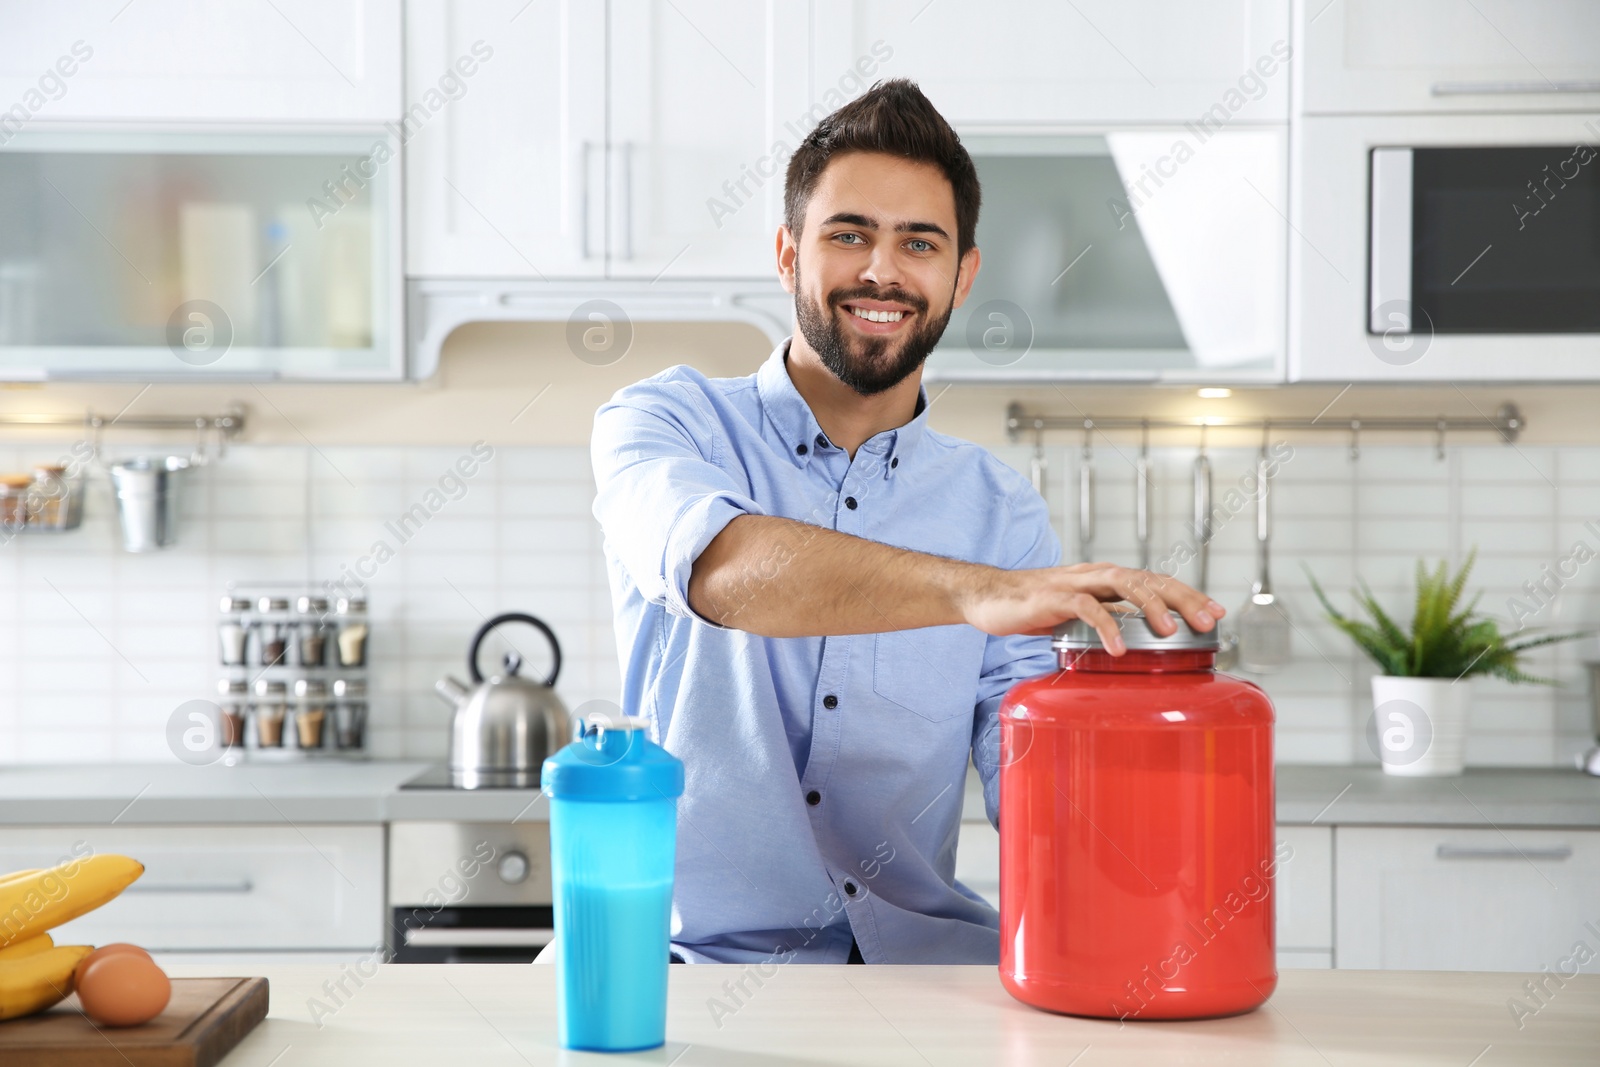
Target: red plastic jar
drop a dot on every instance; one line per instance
(1136, 831)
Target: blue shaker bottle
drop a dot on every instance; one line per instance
(613, 838)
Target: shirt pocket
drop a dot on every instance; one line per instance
(932, 673)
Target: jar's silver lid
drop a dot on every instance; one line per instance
(1077, 635)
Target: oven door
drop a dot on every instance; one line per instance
(1445, 248)
(467, 892)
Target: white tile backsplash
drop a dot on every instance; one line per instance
(98, 647)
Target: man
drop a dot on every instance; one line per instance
(820, 602)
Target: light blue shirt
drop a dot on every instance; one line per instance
(823, 775)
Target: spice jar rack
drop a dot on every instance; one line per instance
(294, 672)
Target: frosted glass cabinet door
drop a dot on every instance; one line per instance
(708, 101)
(1004, 61)
(186, 255)
(301, 61)
(505, 139)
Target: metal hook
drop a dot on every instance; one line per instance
(1438, 443)
(1355, 440)
(1037, 465)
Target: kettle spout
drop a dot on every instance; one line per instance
(451, 691)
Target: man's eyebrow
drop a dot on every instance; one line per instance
(849, 218)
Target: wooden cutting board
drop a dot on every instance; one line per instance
(205, 1018)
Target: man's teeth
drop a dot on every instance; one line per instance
(877, 316)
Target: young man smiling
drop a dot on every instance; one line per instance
(820, 601)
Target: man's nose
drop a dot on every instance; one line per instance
(883, 267)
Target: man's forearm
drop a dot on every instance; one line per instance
(780, 578)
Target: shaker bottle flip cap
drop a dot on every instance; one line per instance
(613, 760)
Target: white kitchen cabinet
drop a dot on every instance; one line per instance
(1435, 898)
(290, 61)
(546, 168)
(1303, 889)
(1409, 56)
(1036, 61)
(507, 179)
(706, 104)
(222, 887)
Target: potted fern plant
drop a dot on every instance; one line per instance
(1419, 706)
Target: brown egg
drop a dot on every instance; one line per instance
(123, 989)
(105, 950)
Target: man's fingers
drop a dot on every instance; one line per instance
(1156, 593)
(1091, 611)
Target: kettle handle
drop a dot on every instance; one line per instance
(514, 616)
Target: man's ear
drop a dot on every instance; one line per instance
(787, 250)
(966, 274)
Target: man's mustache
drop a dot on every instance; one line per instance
(887, 296)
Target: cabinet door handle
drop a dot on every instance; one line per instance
(243, 885)
(583, 199)
(1467, 852)
(626, 196)
(1513, 88)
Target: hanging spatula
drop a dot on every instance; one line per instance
(1264, 629)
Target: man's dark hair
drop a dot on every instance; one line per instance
(893, 117)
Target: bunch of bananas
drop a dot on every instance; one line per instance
(35, 972)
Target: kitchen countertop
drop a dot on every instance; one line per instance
(504, 1016)
(368, 792)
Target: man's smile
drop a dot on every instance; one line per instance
(877, 318)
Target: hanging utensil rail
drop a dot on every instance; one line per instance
(1507, 422)
(229, 424)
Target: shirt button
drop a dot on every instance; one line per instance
(850, 502)
(813, 798)
(799, 450)
(895, 462)
(849, 889)
(830, 701)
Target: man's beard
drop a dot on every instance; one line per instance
(871, 368)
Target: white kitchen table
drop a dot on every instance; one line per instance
(491, 1015)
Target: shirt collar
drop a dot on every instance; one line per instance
(796, 426)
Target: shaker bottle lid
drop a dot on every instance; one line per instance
(613, 759)
(233, 605)
(312, 605)
(1077, 635)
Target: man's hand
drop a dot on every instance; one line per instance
(780, 578)
(1004, 602)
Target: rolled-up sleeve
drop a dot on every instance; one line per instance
(1030, 542)
(662, 493)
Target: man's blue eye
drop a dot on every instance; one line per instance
(852, 236)
(924, 245)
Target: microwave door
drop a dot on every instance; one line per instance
(1486, 240)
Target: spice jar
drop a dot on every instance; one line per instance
(271, 706)
(313, 634)
(1136, 831)
(234, 704)
(350, 713)
(311, 711)
(232, 631)
(352, 612)
(14, 500)
(274, 630)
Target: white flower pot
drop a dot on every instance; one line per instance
(1419, 725)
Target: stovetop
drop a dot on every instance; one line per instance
(440, 776)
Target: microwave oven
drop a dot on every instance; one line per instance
(1461, 247)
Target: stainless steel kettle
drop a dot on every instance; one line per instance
(506, 726)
